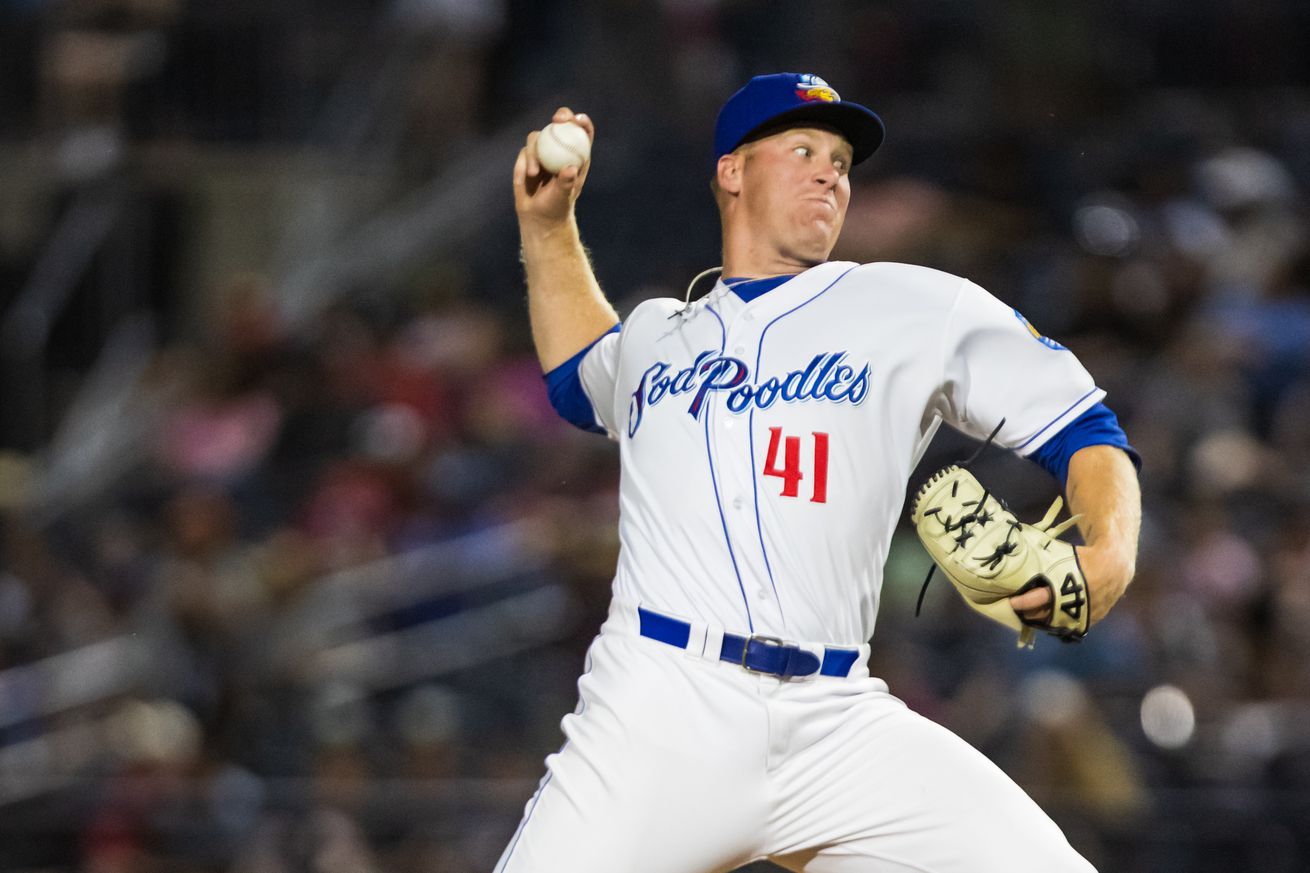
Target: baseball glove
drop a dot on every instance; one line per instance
(989, 555)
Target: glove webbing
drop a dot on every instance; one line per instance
(971, 517)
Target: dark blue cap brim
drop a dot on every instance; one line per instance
(861, 127)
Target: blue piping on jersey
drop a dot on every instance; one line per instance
(759, 356)
(718, 501)
(1054, 420)
(759, 526)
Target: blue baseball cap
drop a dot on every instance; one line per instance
(780, 100)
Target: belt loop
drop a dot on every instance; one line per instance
(696, 640)
(713, 643)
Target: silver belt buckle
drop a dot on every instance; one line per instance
(777, 642)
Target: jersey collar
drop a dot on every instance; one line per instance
(749, 289)
(787, 293)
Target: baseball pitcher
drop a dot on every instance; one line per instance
(767, 432)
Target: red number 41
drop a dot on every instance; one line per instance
(790, 471)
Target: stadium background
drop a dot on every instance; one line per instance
(297, 567)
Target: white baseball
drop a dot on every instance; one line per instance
(562, 144)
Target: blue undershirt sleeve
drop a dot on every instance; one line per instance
(1097, 426)
(567, 396)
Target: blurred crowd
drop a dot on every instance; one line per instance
(326, 607)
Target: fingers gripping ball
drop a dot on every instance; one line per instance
(990, 556)
(562, 144)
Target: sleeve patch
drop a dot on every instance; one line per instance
(1044, 340)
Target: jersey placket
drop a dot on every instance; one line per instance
(732, 446)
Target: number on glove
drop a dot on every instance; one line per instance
(1072, 605)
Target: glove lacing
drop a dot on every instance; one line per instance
(981, 517)
(969, 518)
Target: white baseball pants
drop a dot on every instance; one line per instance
(675, 763)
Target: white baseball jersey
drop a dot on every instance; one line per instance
(766, 445)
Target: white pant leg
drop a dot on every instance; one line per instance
(662, 771)
(868, 785)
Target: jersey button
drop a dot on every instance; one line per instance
(750, 316)
(738, 503)
(762, 594)
(727, 424)
(740, 350)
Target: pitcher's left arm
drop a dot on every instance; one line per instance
(1102, 488)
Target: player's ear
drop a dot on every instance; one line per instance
(728, 172)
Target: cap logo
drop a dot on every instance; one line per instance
(781, 99)
(811, 88)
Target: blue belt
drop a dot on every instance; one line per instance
(757, 653)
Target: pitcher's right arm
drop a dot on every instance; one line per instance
(566, 307)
